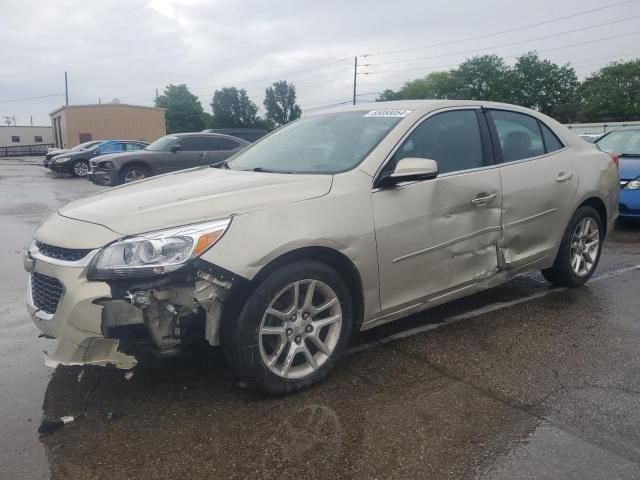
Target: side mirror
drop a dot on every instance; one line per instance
(175, 148)
(96, 152)
(411, 169)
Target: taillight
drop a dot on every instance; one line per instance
(615, 158)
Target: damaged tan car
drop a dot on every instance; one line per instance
(338, 222)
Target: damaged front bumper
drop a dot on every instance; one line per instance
(100, 322)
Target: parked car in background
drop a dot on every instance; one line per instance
(340, 221)
(54, 152)
(625, 143)
(167, 154)
(77, 162)
(248, 134)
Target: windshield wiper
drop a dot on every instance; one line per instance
(623, 155)
(266, 170)
(222, 164)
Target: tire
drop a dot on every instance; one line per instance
(289, 339)
(134, 173)
(80, 168)
(563, 271)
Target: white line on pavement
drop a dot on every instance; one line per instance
(480, 311)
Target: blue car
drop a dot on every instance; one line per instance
(625, 142)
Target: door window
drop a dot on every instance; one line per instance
(451, 138)
(111, 147)
(519, 134)
(220, 144)
(133, 147)
(193, 144)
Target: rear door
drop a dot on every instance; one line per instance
(539, 183)
(439, 236)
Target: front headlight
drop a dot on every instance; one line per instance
(156, 253)
(633, 185)
(61, 159)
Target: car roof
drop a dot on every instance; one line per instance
(420, 107)
(206, 134)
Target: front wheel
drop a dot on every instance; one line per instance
(133, 174)
(80, 168)
(579, 251)
(291, 330)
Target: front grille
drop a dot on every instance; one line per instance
(59, 253)
(45, 292)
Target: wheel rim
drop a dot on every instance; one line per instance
(133, 175)
(585, 245)
(81, 169)
(300, 329)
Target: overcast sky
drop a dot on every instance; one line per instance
(126, 49)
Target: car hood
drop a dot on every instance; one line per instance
(191, 196)
(629, 167)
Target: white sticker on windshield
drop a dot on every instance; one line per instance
(388, 113)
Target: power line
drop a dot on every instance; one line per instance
(435, 67)
(519, 42)
(32, 98)
(502, 32)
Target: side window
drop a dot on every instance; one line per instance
(451, 138)
(133, 147)
(37, 139)
(220, 144)
(192, 144)
(520, 136)
(551, 142)
(111, 147)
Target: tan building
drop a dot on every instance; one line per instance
(75, 124)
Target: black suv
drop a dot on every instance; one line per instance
(167, 154)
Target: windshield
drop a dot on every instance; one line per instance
(330, 143)
(623, 142)
(161, 144)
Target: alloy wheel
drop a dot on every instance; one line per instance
(300, 329)
(585, 245)
(133, 175)
(81, 169)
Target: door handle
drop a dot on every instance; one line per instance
(483, 199)
(564, 177)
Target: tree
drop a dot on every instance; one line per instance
(441, 85)
(184, 110)
(232, 108)
(388, 95)
(545, 86)
(280, 103)
(485, 77)
(612, 93)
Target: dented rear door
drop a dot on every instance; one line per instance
(538, 187)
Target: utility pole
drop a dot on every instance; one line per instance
(66, 89)
(355, 76)
(31, 119)
(156, 94)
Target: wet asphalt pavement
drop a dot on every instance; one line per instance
(521, 381)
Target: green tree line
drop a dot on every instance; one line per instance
(231, 108)
(610, 94)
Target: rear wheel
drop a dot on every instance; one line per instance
(291, 330)
(134, 173)
(580, 250)
(80, 168)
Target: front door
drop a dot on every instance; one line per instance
(439, 235)
(539, 182)
(191, 153)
